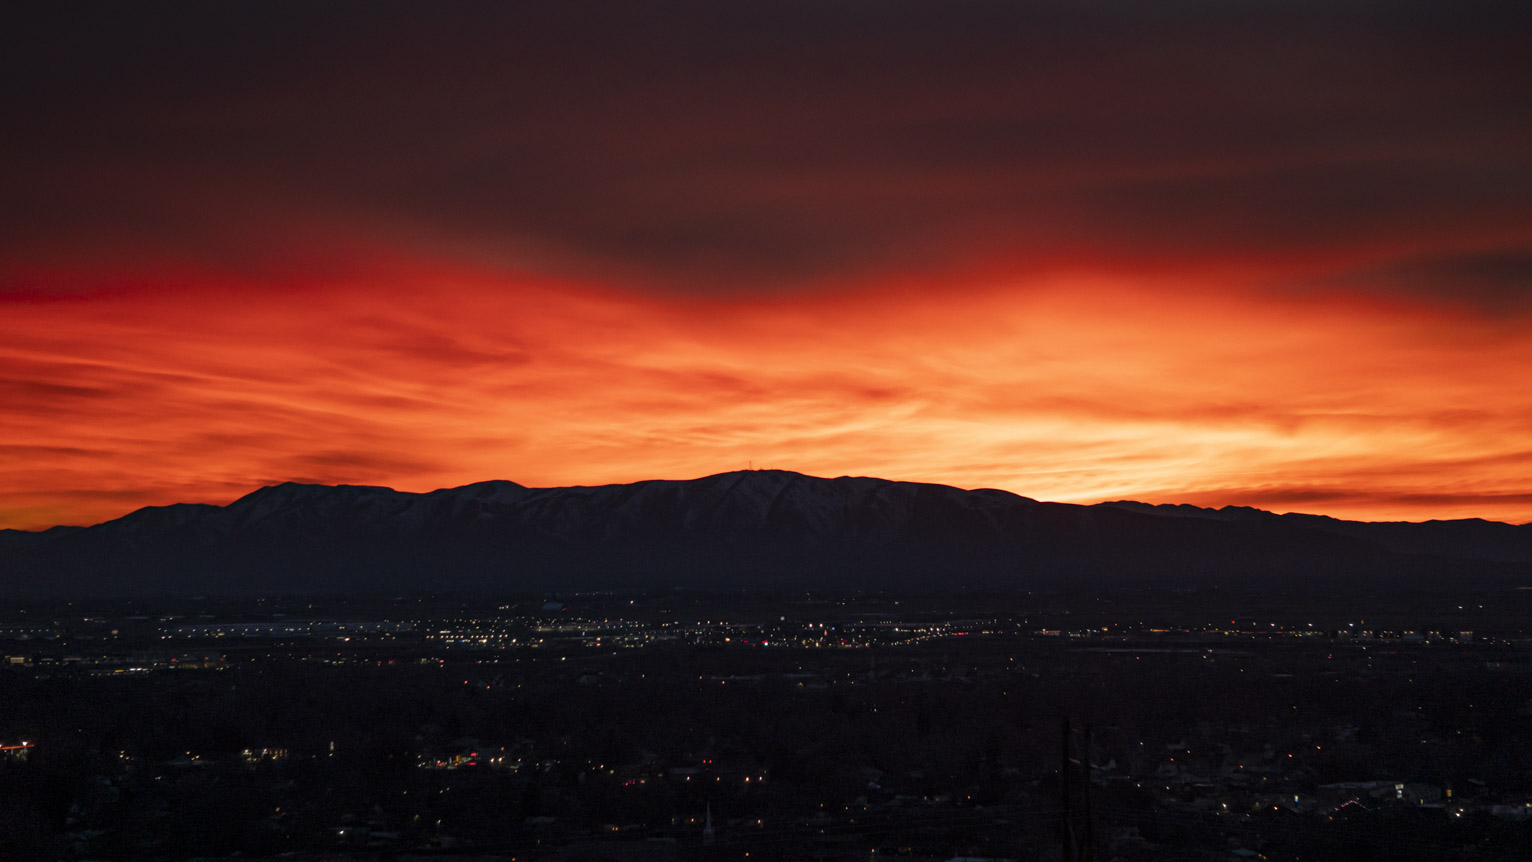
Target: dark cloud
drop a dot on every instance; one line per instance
(1498, 281)
(47, 391)
(25, 451)
(80, 397)
(738, 146)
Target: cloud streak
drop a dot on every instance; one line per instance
(1083, 391)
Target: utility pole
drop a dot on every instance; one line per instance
(1088, 840)
(1079, 846)
(1066, 827)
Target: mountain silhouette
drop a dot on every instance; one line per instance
(758, 529)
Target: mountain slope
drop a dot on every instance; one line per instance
(1468, 538)
(743, 530)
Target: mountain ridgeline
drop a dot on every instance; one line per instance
(753, 530)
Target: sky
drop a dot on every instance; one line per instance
(1274, 254)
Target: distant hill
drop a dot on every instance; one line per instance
(1468, 538)
(759, 529)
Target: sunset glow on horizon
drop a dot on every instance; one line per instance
(1078, 390)
(907, 255)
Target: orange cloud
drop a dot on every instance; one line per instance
(1077, 388)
